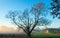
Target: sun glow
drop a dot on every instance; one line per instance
(6, 29)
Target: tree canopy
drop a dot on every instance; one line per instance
(28, 19)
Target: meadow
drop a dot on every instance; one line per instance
(35, 35)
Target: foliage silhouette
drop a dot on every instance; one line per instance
(55, 8)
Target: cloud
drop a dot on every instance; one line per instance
(6, 29)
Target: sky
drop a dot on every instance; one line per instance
(10, 30)
(7, 5)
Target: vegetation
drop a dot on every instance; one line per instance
(55, 8)
(36, 35)
(28, 20)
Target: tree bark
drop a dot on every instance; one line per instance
(29, 35)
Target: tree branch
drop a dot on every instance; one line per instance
(23, 21)
(20, 26)
(34, 26)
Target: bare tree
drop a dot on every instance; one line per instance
(27, 20)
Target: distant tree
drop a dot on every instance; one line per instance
(27, 20)
(55, 8)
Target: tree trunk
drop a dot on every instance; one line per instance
(29, 35)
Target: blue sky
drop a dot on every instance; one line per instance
(7, 5)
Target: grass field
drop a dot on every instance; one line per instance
(46, 35)
(35, 35)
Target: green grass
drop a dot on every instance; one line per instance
(35, 35)
(46, 34)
